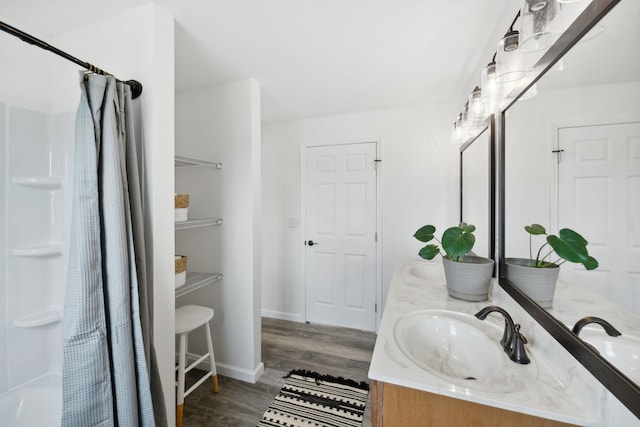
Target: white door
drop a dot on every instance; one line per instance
(599, 197)
(341, 235)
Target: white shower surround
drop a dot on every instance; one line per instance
(46, 87)
(35, 225)
(36, 403)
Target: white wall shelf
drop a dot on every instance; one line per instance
(196, 281)
(181, 161)
(38, 251)
(38, 319)
(195, 222)
(42, 183)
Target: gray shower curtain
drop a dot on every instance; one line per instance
(110, 375)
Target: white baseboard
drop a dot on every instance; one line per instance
(231, 371)
(272, 314)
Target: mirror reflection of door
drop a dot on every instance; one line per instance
(599, 194)
(340, 251)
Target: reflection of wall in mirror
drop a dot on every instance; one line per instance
(475, 191)
(531, 135)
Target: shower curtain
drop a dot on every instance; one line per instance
(109, 376)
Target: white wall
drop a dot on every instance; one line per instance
(22, 82)
(3, 256)
(221, 124)
(418, 185)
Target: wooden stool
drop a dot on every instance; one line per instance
(189, 318)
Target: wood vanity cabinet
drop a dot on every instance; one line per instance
(396, 406)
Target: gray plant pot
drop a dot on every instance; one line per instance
(539, 284)
(469, 280)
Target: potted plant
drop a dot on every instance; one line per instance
(468, 277)
(537, 276)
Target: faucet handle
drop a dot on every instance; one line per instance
(518, 353)
(522, 337)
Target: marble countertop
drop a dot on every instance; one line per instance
(571, 303)
(419, 285)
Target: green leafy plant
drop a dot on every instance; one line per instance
(568, 245)
(456, 241)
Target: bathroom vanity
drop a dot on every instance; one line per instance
(434, 363)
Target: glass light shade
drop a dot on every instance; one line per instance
(456, 134)
(510, 62)
(491, 89)
(537, 29)
(476, 105)
(566, 14)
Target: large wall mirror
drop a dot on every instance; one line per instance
(477, 187)
(570, 157)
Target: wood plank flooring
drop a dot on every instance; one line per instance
(285, 346)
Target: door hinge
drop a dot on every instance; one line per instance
(375, 308)
(375, 236)
(558, 152)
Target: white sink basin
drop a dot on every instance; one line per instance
(461, 349)
(623, 352)
(426, 271)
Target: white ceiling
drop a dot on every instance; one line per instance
(311, 57)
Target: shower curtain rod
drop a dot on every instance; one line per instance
(136, 87)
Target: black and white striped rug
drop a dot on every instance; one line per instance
(311, 399)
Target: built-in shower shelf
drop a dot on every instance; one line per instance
(42, 183)
(196, 281)
(193, 223)
(38, 319)
(38, 251)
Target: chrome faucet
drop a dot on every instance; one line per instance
(512, 340)
(610, 330)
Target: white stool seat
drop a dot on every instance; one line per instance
(190, 317)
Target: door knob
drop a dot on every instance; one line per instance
(311, 243)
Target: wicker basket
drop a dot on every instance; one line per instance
(181, 201)
(181, 270)
(181, 263)
(181, 207)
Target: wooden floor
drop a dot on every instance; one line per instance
(285, 346)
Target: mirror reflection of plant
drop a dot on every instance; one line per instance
(568, 245)
(456, 241)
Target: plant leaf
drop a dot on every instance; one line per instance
(456, 242)
(425, 233)
(429, 252)
(535, 229)
(569, 235)
(590, 264)
(567, 249)
(467, 228)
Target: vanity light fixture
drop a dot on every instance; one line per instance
(537, 29)
(491, 89)
(510, 63)
(476, 105)
(456, 135)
